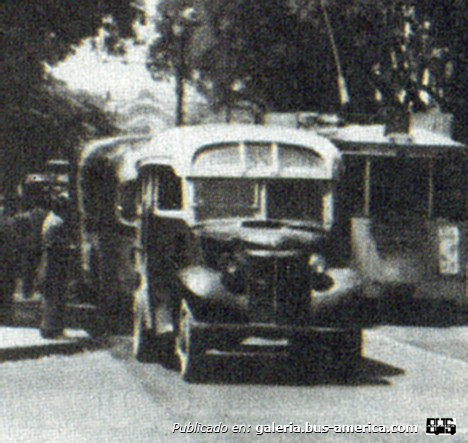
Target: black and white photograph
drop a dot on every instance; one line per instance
(233, 221)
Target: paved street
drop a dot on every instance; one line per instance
(97, 393)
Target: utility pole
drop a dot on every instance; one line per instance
(186, 20)
(342, 88)
(180, 82)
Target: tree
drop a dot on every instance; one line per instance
(170, 51)
(36, 115)
(240, 51)
(251, 52)
(286, 55)
(274, 55)
(408, 54)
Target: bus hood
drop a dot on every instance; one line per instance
(262, 234)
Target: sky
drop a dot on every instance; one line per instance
(123, 78)
(99, 73)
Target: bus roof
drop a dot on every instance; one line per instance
(183, 147)
(362, 137)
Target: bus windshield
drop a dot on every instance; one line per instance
(227, 199)
(269, 199)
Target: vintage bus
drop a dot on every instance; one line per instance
(402, 206)
(235, 243)
(215, 235)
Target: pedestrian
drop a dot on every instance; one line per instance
(56, 264)
(20, 256)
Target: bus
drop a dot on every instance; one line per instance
(209, 237)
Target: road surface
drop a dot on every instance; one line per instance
(100, 394)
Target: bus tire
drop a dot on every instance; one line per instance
(189, 345)
(144, 340)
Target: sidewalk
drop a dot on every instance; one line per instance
(17, 343)
(21, 338)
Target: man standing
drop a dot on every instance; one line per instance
(20, 255)
(55, 267)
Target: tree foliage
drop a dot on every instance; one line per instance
(39, 115)
(237, 51)
(278, 53)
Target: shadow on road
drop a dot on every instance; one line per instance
(409, 311)
(280, 371)
(270, 368)
(60, 348)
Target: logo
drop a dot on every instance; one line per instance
(444, 426)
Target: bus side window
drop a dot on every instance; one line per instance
(169, 190)
(399, 187)
(450, 189)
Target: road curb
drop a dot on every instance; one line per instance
(21, 343)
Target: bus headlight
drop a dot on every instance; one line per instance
(319, 279)
(317, 264)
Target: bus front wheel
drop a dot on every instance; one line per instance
(144, 341)
(189, 345)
